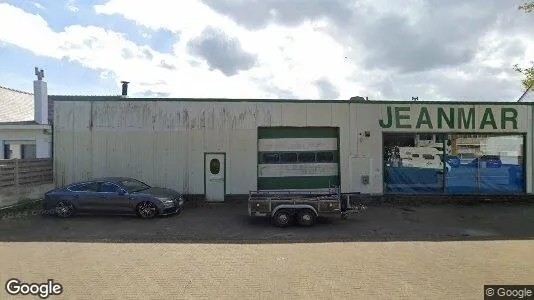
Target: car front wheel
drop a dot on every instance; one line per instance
(64, 209)
(147, 210)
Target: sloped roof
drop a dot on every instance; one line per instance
(18, 106)
(15, 106)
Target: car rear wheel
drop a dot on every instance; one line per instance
(147, 210)
(64, 209)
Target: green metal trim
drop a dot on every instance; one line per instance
(485, 133)
(204, 166)
(338, 152)
(456, 102)
(225, 166)
(218, 100)
(86, 98)
(297, 132)
(444, 177)
(120, 98)
(297, 182)
(525, 161)
(383, 164)
(258, 159)
(335, 152)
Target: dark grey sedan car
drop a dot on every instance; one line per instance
(115, 195)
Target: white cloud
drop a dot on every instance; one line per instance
(104, 50)
(106, 75)
(71, 5)
(288, 59)
(32, 31)
(39, 5)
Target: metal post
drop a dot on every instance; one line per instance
(478, 174)
(17, 179)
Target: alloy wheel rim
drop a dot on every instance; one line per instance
(147, 210)
(64, 209)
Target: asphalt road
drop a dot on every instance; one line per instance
(433, 251)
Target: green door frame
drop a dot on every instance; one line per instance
(225, 166)
(338, 137)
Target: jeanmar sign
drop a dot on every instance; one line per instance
(404, 117)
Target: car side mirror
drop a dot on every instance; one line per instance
(122, 192)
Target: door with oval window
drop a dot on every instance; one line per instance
(214, 173)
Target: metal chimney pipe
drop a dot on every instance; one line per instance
(124, 88)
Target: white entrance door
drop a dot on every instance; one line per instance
(214, 172)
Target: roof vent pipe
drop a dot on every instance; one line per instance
(124, 88)
(40, 98)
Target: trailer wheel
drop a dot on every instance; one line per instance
(282, 218)
(306, 217)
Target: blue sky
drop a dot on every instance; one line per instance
(64, 76)
(329, 49)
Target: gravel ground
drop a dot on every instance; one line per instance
(229, 223)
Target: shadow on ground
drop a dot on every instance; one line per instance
(229, 223)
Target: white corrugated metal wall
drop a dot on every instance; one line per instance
(163, 142)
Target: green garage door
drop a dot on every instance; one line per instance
(292, 158)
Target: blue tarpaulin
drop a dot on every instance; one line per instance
(413, 180)
(464, 179)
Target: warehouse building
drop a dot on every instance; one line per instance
(219, 148)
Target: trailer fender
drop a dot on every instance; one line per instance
(296, 206)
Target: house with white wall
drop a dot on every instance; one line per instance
(26, 122)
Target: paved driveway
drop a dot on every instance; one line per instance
(217, 251)
(350, 270)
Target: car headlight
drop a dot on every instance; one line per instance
(167, 202)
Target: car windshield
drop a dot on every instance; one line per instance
(132, 185)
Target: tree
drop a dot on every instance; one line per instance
(528, 72)
(527, 7)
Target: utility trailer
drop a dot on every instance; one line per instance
(303, 206)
